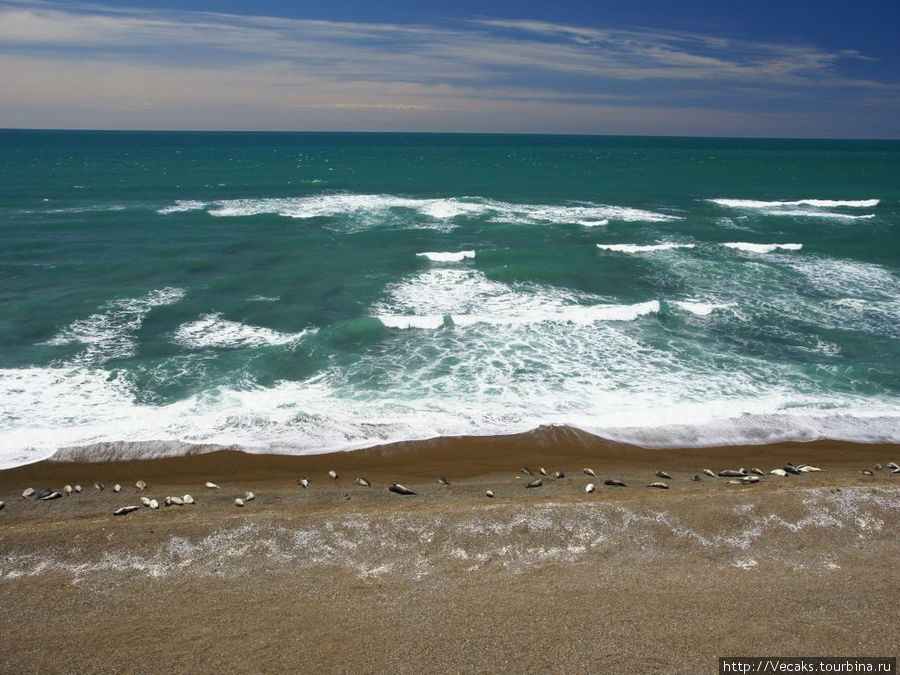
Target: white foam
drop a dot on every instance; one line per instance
(181, 206)
(467, 298)
(575, 315)
(211, 330)
(823, 203)
(700, 308)
(367, 210)
(635, 248)
(110, 333)
(447, 256)
(814, 208)
(762, 248)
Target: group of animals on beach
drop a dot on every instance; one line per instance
(739, 476)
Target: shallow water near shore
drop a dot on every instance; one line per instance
(302, 293)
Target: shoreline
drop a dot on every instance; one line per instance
(344, 578)
(450, 456)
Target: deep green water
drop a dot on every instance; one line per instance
(268, 289)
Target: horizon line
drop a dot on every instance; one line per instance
(447, 133)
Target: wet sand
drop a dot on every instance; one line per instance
(343, 578)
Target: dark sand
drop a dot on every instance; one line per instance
(343, 578)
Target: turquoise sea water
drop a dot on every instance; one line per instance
(311, 292)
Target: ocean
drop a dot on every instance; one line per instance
(311, 292)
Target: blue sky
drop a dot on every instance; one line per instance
(797, 68)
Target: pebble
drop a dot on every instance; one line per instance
(211, 485)
(658, 485)
(125, 510)
(589, 472)
(589, 488)
(238, 502)
(29, 492)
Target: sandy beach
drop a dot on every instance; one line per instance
(339, 577)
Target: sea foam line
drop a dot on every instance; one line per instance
(762, 248)
(635, 248)
(211, 330)
(366, 207)
(447, 256)
(818, 203)
(581, 315)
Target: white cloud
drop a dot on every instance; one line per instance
(187, 66)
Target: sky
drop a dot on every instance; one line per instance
(761, 68)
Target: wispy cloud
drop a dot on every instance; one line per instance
(467, 73)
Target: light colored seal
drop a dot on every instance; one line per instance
(145, 501)
(659, 485)
(536, 483)
(28, 492)
(663, 474)
(153, 504)
(363, 482)
(238, 502)
(400, 489)
(589, 472)
(125, 510)
(211, 485)
(249, 496)
(615, 483)
(188, 499)
(489, 493)
(332, 474)
(67, 489)
(140, 485)
(709, 472)
(733, 473)
(117, 488)
(589, 488)
(778, 472)
(304, 482)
